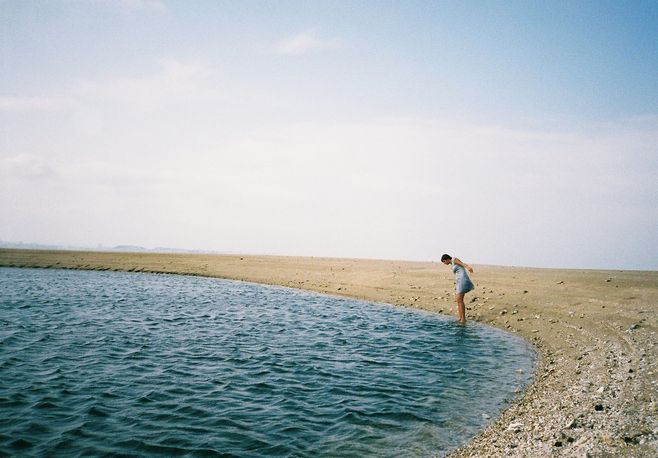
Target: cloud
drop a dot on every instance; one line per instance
(25, 166)
(302, 43)
(33, 104)
(402, 187)
(143, 4)
(173, 82)
(134, 5)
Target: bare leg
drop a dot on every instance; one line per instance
(461, 308)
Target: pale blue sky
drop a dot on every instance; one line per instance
(518, 133)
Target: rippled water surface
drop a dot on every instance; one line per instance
(105, 363)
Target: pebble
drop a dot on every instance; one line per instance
(516, 427)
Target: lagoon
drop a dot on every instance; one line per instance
(96, 363)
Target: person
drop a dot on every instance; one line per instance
(464, 283)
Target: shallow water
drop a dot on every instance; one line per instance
(97, 363)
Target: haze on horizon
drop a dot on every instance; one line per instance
(503, 133)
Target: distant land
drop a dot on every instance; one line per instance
(121, 248)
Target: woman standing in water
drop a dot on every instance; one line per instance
(464, 283)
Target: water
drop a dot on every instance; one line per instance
(108, 363)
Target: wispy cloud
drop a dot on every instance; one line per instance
(302, 43)
(23, 103)
(134, 5)
(25, 166)
(173, 81)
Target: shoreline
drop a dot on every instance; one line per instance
(594, 332)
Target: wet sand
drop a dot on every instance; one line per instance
(596, 383)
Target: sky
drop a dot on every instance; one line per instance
(509, 133)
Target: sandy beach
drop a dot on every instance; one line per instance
(595, 385)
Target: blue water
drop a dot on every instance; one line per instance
(109, 363)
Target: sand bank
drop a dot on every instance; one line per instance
(595, 333)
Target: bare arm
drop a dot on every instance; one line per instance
(463, 264)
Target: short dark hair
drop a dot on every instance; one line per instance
(446, 257)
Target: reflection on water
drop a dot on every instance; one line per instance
(98, 363)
